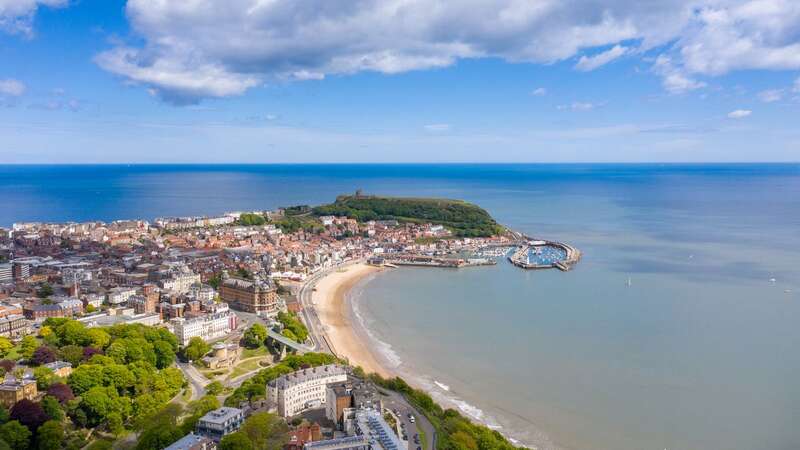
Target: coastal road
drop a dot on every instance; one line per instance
(313, 323)
(395, 401)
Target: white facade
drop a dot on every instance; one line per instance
(295, 392)
(206, 327)
(119, 295)
(180, 284)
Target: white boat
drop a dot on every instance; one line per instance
(629, 282)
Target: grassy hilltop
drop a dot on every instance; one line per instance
(462, 218)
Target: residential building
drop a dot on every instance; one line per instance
(206, 326)
(370, 423)
(180, 283)
(220, 422)
(193, 442)
(254, 296)
(6, 273)
(14, 326)
(13, 390)
(60, 368)
(120, 295)
(351, 394)
(343, 443)
(295, 392)
(302, 435)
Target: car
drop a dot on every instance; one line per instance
(419, 448)
(411, 419)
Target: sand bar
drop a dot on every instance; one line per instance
(330, 302)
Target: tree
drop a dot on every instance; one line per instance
(52, 407)
(44, 377)
(165, 355)
(255, 336)
(43, 355)
(214, 388)
(72, 354)
(99, 402)
(27, 346)
(5, 346)
(236, 441)
(16, 435)
(73, 332)
(98, 338)
(61, 392)
(7, 365)
(265, 430)
(196, 348)
(50, 436)
(85, 377)
(45, 290)
(28, 413)
(160, 429)
(88, 352)
(3, 415)
(203, 405)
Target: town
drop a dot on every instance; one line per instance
(107, 330)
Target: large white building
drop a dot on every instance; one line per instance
(295, 392)
(119, 295)
(180, 283)
(207, 327)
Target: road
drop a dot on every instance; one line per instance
(195, 378)
(395, 401)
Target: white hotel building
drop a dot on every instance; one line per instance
(295, 392)
(207, 327)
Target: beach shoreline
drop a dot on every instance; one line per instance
(331, 302)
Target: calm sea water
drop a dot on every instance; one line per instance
(700, 352)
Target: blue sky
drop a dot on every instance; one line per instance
(108, 81)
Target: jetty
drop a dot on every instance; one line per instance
(522, 256)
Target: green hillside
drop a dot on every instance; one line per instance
(462, 218)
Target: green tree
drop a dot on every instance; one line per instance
(203, 405)
(27, 346)
(99, 402)
(50, 436)
(161, 429)
(4, 415)
(52, 408)
(236, 441)
(165, 355)
(214, 388)
(265, 430)
(45, 290)
(98, 338)
(85, 377)
(44, 377)
(255, 335)
(16, 435)
(196, 348)
(72, 354)
(5, 346)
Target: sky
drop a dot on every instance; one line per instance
(289, 81)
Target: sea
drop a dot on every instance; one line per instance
(679, 329)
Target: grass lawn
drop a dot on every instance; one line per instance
(253, 352)
(246, 366)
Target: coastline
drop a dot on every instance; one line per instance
(330, 300)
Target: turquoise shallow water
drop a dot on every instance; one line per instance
(700, 352)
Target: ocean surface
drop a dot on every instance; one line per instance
(699, 352)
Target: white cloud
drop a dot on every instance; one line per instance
(16, 16)
(11, 87)
(578, 106)
(739, 114)
(674, 79)
(218, 48)
(770, 95)
(539, 92)
(588, 63)
(437, 127)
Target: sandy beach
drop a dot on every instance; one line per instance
(330, 302)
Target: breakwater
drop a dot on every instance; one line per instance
(566, 260)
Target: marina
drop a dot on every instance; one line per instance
(538, 254)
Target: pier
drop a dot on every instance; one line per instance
(521, 257)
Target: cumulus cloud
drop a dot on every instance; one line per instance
(185, 51)
(539, 92)
(11, 88)
(16, 16)
(587, 63)
(739, 114)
